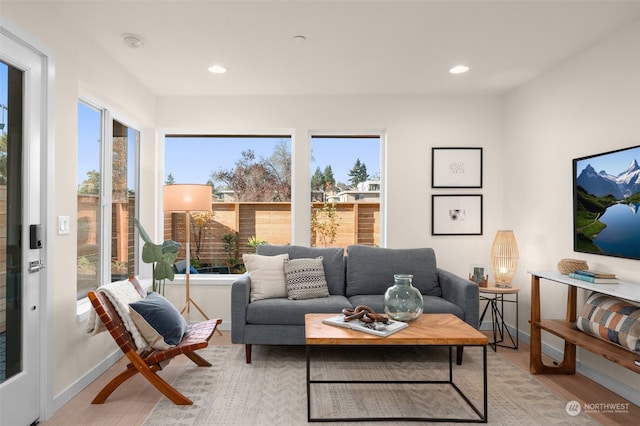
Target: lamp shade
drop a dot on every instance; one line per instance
(187, 198)
(504, 258)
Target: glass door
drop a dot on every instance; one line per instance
(21, 231)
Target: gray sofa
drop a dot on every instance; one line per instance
(359, 278)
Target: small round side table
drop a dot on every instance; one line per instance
(495, 298)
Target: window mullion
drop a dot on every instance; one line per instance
(105, 198)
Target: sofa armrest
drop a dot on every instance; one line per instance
(240, 297)
(461, 292)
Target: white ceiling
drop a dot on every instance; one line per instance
(353, 47)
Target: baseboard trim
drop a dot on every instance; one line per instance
(79, 385)
(602, 379)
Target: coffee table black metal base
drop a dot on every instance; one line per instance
(482, 415)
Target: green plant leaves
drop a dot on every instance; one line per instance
(161, 256)
(143, 234)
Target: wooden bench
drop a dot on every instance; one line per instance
(148, 363)
(564, 328)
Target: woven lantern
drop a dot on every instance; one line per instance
(504, 258)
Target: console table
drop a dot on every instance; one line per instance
(564, 328)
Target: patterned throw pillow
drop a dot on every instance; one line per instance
(305, 279)
(611, 319)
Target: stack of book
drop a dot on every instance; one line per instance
(594, 277)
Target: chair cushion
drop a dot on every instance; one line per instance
(370, 270)
(159, 321)
(332, 260)
(611, 319)
(267, 275)
(305, 279)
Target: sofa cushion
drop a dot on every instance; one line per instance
(370, 270)
(305, 279)
(432, 304)
(611, 319)
(267, 275)
(291, 312)
(332, 260)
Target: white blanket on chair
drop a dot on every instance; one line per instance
(120, 293)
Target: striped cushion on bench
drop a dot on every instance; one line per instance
(611, 319)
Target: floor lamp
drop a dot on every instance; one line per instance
(187, 198)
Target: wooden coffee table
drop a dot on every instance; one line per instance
(427, 330)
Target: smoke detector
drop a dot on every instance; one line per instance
(134, 41)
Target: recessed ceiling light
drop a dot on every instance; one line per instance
(134, 41)
(299, 39)
(459, 69)
(217, 69)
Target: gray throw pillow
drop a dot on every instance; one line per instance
(159, 321)
(305, 279)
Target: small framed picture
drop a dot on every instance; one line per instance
(456, 167)
(479, 275)
(456, 214)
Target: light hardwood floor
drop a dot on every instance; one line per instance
(135, 399)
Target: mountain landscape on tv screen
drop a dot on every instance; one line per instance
(622, 185)
(607, 210)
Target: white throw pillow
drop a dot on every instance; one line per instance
(267, 275)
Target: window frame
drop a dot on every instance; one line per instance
(300, 180)
(176, 133)
(380, 134)
(108, 117)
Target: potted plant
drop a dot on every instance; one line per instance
(161, 256)
(254, 242)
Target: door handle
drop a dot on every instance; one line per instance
(35, 266)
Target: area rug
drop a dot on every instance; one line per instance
(272, 389)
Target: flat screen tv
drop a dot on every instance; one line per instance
(606, 203)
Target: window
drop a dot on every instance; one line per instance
(345, 190)
(123, 201)
(250, 177)
(97, 262)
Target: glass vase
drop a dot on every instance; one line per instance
(402, 301)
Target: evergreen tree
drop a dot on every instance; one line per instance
(170, 180)
(358, 173)
(329, 179)
(317, 180)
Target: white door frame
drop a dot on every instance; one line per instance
(45, 178)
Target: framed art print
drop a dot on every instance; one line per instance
(456, 167)
(456, 214)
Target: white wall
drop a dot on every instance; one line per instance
(588, 105)
(412, 125)
(80, 69)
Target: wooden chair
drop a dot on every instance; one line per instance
(148, 362)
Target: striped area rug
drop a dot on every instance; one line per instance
(272, 390)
